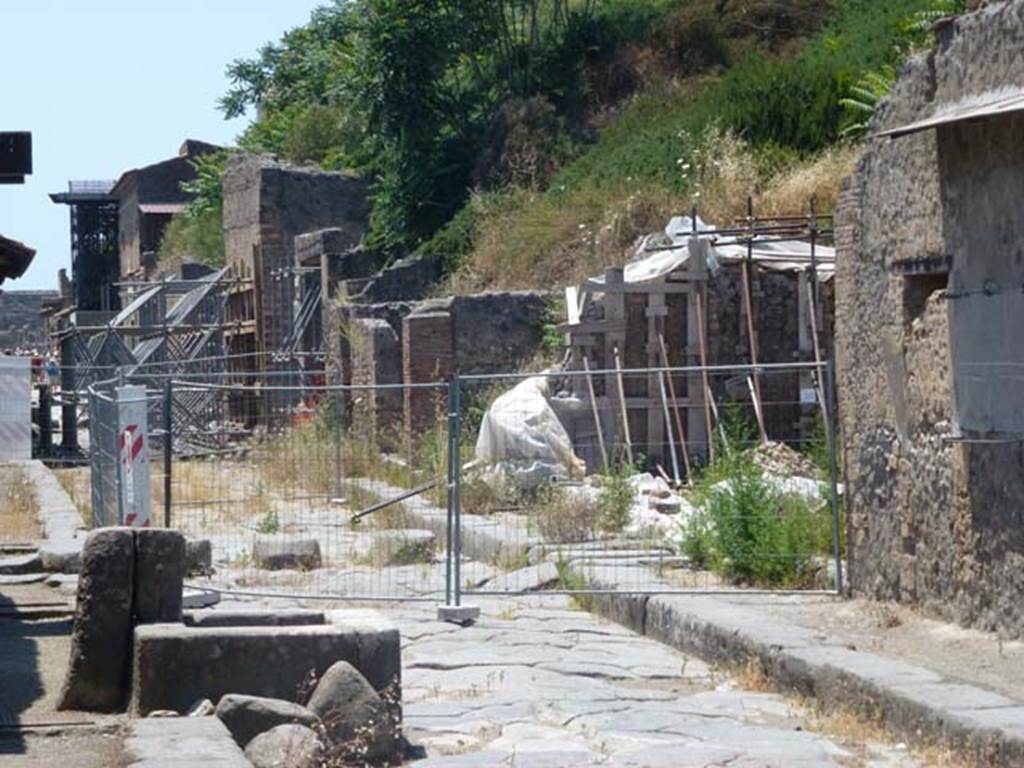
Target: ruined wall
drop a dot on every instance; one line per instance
(21, 324)
(266, 206)
(931, 520)
(777, 300)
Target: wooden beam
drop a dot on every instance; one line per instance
(597, 417)
(708, 402)
(675, 405)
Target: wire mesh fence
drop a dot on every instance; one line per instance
(279, 477)
(578, 481)
(656, 480)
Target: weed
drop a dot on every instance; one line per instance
(615, 500)
(565, 517)
(19, 508)
(269, 523)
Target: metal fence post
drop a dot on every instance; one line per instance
(833, 469)
(338, 405)
(453, 610)
(455, 461)
(450, 486)
(168, 449)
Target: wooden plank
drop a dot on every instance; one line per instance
(675, 405)
(708, 402)
(661, 287)
(625, 412)
(597, 416)
(755, 390)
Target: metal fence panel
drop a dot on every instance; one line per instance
(303, 488)
(647, 501)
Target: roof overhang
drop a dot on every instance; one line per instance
(166, 209)
(14, 258)
(986, 105)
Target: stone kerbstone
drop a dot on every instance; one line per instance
(277, 553)
(174, 742)
(102, 631)
(198, 557)
(353, 712)
(61, 556)
(159, 575)
(285, 746)
(174, 664)
(248, 716)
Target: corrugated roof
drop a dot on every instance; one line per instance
(990, 104)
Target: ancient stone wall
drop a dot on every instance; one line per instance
(932, 519)
(266, 206)
(21, 324)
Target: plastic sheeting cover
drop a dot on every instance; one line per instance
(521, 440)
(662, 253)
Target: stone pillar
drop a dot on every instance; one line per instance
(376, 359)
(427, 356)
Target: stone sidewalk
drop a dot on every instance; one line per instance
(923, 702)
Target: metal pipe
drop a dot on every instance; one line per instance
(833, 473)
(457, 487)
(168, 449)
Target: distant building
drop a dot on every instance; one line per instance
(94, 264)
(22, 324)
(147, 198)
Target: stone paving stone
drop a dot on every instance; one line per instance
(540, 684)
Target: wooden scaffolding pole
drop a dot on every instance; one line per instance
(597, 416)
(675, 408)
(708, 401)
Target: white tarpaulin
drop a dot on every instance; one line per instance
(521, 439)
(661, 253)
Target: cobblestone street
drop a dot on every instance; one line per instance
(538, 683)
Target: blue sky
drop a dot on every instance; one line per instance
(109, 85)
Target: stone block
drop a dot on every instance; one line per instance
(176, 742)
(427, 356)
(198, 557)
(286, 746)
(248, 716)
(159, 575)
(351, 709)
(174, 665)
(403, 547)
(61, 556)
(101, 635)
(276, 553)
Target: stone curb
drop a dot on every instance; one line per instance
(914, 702)
(60, 518)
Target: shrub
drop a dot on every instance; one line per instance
(565, 518)
(747, 531)
(615, 501)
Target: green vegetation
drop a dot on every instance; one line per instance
(745, 528)
(198, 233)
(523, 142)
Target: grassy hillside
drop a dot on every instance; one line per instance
(768, 125)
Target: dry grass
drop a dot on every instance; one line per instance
(525, 239)
(853, 729)
(77, 484)
(19, 508)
